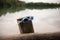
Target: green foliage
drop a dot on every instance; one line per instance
(11, 9)
(11, 6)
(16, 5)
(42, 5)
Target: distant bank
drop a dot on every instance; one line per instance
(16, 5)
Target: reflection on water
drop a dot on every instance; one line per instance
(45, 21)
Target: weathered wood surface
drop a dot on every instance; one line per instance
(32, 36)
(25, 25)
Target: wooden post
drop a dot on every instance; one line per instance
(26, 27)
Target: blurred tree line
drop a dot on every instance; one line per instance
(11, 6)
(16, 5)
(42, 5)
(9, 3)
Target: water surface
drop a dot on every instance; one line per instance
(45, 21)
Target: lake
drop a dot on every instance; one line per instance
(45, 21)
